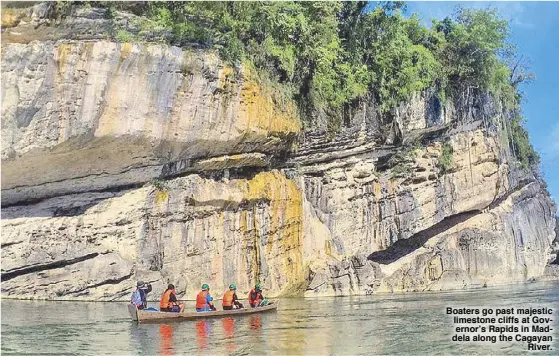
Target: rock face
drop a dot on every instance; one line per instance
(68, 108)
(477, 224)
(190, 231)
(129, 161)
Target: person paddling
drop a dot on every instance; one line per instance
(169, 302)
(255, 296)
(230, 300)
(139, 296)
(204, 300)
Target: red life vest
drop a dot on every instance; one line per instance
(228, 298)
(254, 297)
(201, 299)
(166, 300)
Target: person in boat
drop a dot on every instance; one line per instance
(255, 296)
(169, 302)
(204, 301)
(230, 300)
(139, 296)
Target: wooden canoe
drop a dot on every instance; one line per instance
(154, 316)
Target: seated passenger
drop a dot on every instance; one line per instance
(204, 300)
(139, 296)
(169, 301)
(255, 296)
(230, 300)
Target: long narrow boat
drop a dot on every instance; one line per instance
(147, 316)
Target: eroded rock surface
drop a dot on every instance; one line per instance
(96, 115)
(129, 161)
(191, 231)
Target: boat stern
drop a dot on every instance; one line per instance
(133, 312)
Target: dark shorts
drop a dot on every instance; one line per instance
(174, 309)
(228, 308)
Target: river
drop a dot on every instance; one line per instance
(403, 324)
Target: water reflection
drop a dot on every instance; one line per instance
(229, 332)
(166, 340)
(255, 323)
(254, 332)
(139, 338)
(203, 332)
(414, 324)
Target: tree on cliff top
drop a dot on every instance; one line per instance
(330, 55)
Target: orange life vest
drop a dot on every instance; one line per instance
(228, 298)
(201, 299)
(166, 300)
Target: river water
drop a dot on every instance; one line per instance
(405, 324)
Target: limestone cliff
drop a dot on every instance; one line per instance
(126, 161)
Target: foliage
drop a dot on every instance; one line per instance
(335, 52)
(400, 170)
(62, 9)
(124, 36)
(472, 44)
(401, 162)
(159, 184)
(445, 159)
(333, 55)
(520, 144)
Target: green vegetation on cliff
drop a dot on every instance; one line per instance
(332, 55)
(445, 160)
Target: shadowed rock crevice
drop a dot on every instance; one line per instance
(521, 184)
(4, 245)
(403, 247)
(406, 246)
(105, 282)
(16, 272)
(72, 211)
(117, 190)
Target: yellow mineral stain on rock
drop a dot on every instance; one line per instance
(249, 262)
(391, 184)
(243, 226)
(225, 78)
(113, 113)
(328, 247)
(227, 88)
(285, 222)
(259, 111)
(161, 197)
(12, 16)
(125, 50)
(62, 52)
(377, 190)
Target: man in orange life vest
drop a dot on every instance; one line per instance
(169, 301)
(204, 300)
(230, 299)
(255, 296)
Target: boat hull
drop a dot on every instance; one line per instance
(142, 316)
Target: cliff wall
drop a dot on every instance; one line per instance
(127, 161)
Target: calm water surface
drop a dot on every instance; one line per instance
(409, 324)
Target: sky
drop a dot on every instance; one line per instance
(535, 32)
